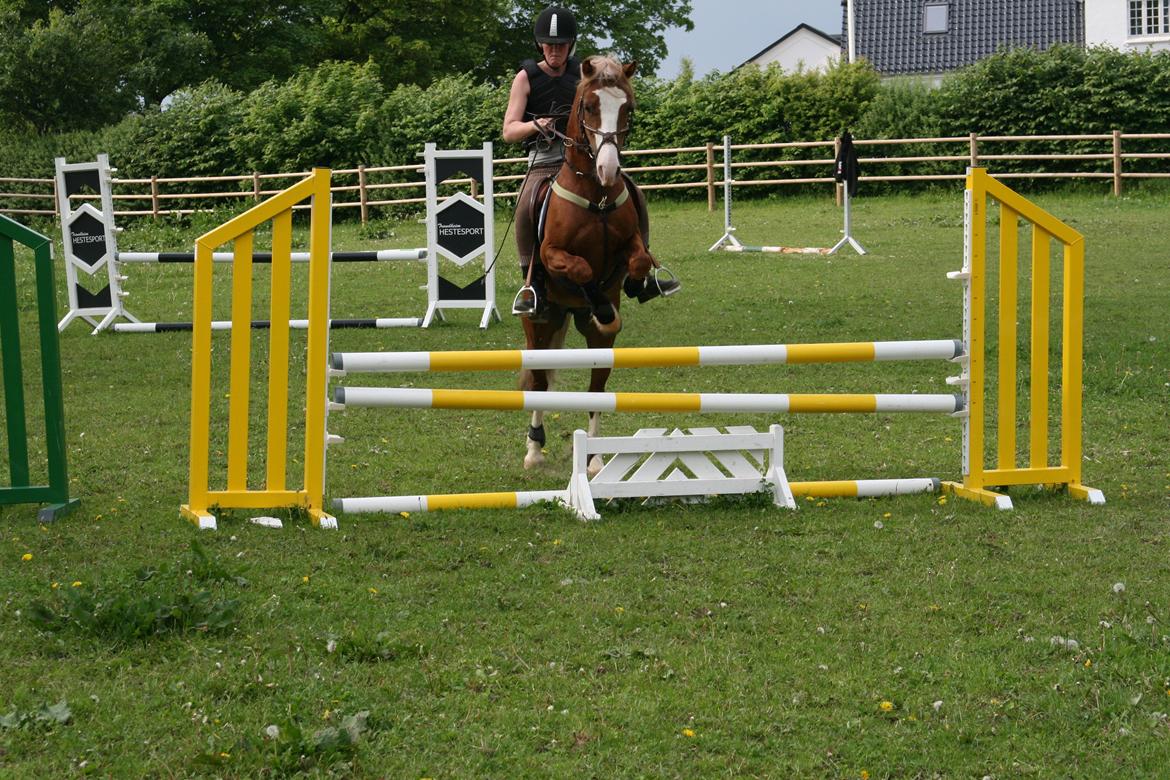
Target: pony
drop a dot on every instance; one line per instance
(591, 239)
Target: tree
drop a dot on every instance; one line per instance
(55, 74)
(414, 43)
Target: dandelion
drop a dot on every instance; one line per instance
(864, 775)
(886, 515)
(688, 733)
(1088, 662)
(305, 579)
(557, 542)
(76, 583)
(942, 500)
(55, 585)
(373, 591)
(937, 705)
(405, 515)
(225, 755)
(1119, 587)
(619, 610)
(886, 706)
(820, 503)
(878, 524)
(272, 731)
(26, 557)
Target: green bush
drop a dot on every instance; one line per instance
(192, 137)
(323, 116)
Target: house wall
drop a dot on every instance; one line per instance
(802, 49)
(1107, 24)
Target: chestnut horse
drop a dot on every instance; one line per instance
(591, 238)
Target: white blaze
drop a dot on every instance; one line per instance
(612, 99)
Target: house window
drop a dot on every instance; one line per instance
(936, 17)
(1149, 17)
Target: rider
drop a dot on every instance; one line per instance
(538, 107)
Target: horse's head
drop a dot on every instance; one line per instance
(601, 113)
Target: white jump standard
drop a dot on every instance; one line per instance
(729, 243)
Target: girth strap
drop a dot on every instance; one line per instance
(602, 207)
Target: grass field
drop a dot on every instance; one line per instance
(907, 637)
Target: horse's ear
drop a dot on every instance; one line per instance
(587, 69)
(629, 68)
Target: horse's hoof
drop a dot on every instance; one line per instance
(533, 459)
(595, 466)
(608, 329)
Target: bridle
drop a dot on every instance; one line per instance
(582, 145)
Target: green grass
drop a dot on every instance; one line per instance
(728, 639)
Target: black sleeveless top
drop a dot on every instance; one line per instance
(551, 94)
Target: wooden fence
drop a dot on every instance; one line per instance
(1115, 157)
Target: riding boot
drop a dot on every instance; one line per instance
(650, 287)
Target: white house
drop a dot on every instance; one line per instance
(1128, 25)
(802, 48)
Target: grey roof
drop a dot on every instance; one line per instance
(889, 33)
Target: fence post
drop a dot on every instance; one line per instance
(710, 176)
(973, 140)
(1117, 163)
(362, 194)
(256, 186)
(154, 197)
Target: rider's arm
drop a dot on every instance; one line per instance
(516, 127)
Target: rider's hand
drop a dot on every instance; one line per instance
(543, 125)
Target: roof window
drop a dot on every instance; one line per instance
(935, 17)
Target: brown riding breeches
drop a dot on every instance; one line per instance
(525, 218)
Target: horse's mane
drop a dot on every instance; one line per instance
(607, 72)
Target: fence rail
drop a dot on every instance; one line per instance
(1115, 156)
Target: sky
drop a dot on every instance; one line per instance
(727, 32)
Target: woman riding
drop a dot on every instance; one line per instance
(537, 113)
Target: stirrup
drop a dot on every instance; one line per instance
(521, 298)
(668, 286)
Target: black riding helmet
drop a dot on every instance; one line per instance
(555, 25)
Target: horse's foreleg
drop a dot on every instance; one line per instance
(542, 336)
(577, 270)
(534, 443)
(597, 379)
(595, 463)
(640, 259)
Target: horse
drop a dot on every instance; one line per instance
(591, 239)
